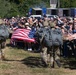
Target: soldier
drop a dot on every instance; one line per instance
(54, 52)
(45, 22)
(49, 50)
(2, 41)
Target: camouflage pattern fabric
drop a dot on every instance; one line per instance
(45, 23)
(49, 51)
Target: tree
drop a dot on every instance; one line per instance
(21, 7)
(67, 3)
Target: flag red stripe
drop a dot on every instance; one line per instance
(22, 34)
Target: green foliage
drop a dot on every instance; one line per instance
(67, 3)
(9, 8)
(4, 7)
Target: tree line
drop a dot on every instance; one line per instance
(9, 8)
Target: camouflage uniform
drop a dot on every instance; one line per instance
(55, 57)
(51, 24)
(44, 55)
(2, 45)
(49, 54)
(50, 57)
(46, 23)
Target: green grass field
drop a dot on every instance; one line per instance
(22, 62)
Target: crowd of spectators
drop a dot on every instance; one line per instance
(67, 24)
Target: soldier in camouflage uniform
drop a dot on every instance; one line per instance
(50, 55)
(2, 43)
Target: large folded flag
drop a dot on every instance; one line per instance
(22, 34)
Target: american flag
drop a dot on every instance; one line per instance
(21, 34)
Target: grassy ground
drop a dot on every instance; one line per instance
(22, 62)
